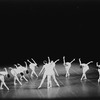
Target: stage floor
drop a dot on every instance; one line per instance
(70, 87)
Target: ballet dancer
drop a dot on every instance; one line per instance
(98, 70)
(21, 71)
(67, 66)
(85, 68)
(2, 78)
(15, 72)
(32, 66)
(49, 71)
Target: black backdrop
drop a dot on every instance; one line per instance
(41, 28)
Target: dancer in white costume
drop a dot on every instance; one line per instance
(98, 70)
(32, 66)
(53, 69)
(85, 68)
(2, 78)
(15, 73)
(67, 66)
(21, 71)
(24, 69)
(49, 71)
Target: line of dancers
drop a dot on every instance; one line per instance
(48, 70)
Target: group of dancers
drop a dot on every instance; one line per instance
(48, 70)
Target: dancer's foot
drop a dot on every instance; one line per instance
(39, 87)
(1, 88)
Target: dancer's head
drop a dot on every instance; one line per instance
(44, 62)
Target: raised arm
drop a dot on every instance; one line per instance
(48, 59)
(63, 60)
(72, 60)
(33, 60)
(29, 61)
(19, 64)
(15, 65)
(25, 64)
(80, 61)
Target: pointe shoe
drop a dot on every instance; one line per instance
(26, 80)
(39, 87)
(15, 84)
(85, 78)
(81, 79)
(48, 87)
(7, 88)
(66, 75)
(58, 85)
(1, 88)
(21, 79)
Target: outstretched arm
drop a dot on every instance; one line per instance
(56, 60)
(89, 62)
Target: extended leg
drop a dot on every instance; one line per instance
(34, 73)
(67, 72)
(44, 76)
(99, 78)
(15, 81)
(5, 85)
(48, 81)
(1, 85)
(83, 75)
(21, 78)
(25, 78)
(55, 80)
(18, 80)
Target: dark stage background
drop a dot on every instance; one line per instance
(41, 28)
